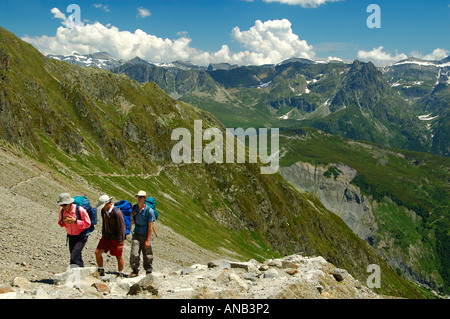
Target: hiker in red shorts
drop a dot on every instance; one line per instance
(113, 234)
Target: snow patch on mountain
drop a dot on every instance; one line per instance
(427, 117)
(101, 60)
(424, 63)
(286, 116)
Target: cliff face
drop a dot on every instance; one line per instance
(331, 184)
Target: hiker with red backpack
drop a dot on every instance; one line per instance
(77, 222)
(113, 234)
(143, 219)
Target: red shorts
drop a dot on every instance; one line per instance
(111, 246)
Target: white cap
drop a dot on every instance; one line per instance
(103, 200)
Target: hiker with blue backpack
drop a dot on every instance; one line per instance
(113, 234)
(143, 219)
(77, 223)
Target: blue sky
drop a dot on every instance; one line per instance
(235, 31)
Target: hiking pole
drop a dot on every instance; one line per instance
(154, 230)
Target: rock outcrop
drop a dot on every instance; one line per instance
(332, 185)
(292, 277)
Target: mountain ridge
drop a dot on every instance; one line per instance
(307, 94)
(225, 65)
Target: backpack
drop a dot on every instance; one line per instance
(83, 201)
(150, 201)
(126, 208)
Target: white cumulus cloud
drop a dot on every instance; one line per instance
(379, 57)
(58, 14)
(267, 42)
(437, 54)
(91, 38)
(274, 40)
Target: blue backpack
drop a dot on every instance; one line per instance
(150, 201)
(126, 208)
(83, 201)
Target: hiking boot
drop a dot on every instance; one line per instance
(148, 272)
(120, 275)
(134, 274)
(99, 273)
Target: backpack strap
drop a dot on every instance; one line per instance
(61, 214)
(133, 209)
(136, 208)
(78, 213)
(146, 211)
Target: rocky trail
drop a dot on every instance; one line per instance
(291, 277)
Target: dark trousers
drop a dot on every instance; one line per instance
(76, 245)
(137, 246)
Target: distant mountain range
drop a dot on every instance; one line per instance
(105, 61)
(101, 60)
(404, 105)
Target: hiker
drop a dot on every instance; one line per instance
(76, 227)
(143, 218)
(113, 234)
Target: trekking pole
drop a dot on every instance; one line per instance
(154, 230)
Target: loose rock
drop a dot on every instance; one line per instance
(148, 284)
(101, 287)
(271, 273)
(340, 274)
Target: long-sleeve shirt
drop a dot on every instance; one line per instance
(113, 227)
(81, 223)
